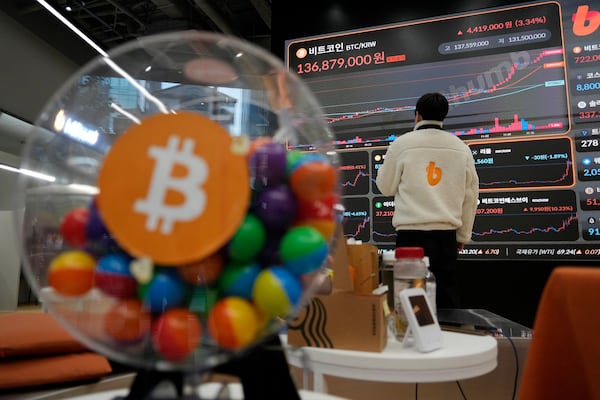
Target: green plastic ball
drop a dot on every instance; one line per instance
(248, 240)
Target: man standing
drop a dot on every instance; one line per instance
(431, 174)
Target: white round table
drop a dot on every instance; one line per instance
(462, 356)
(208, 391)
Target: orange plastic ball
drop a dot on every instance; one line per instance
(71, 273)
(234, 322)
(205, 271)
(313, 180)
(127, 321)
(176, 333)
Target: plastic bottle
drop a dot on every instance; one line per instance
(430, 286)
(388, 259)
(409, 271)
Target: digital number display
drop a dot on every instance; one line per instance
(523, 83)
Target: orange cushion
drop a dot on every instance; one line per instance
(36, 350)
(34, 334)
(28, 372)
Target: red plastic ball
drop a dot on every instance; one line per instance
(323, 208)
(176, 333)
(72, 227)
(127, 321)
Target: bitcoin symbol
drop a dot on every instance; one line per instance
(174, 189)
(154, 205)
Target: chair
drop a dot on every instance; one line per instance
(564, 357)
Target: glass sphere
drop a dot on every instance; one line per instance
(182, 197)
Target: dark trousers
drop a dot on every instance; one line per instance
(441, 248)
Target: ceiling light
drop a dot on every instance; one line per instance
(28, 172)
(72, 27)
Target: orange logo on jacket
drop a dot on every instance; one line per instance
(434, 174)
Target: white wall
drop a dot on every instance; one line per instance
(9, 262)
(30, 72)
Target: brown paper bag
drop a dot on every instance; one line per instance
(342, 319)
(365, 260)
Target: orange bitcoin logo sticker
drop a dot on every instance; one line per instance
(434, 174)
(174, 188)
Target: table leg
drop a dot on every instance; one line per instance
(319, 383)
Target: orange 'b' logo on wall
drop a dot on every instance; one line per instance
(585, 22)
(434, 174)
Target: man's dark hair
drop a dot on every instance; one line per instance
(432, 106)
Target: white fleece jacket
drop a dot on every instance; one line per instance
(431, 174)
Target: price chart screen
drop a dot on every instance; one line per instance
(523, 83)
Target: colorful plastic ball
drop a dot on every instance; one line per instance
(205, 271)
(293, 160)
(297, 158)
(238, 280)
(276, 292)
(276, 207)
(202, 300)
(233, 323)
(127, 321)
(268, 165)
(313, 180)
(176, 333)
(73, 225)
(326, 227)
(303, 249)
(71, 273)
(248, 240)
(165, 291)
(113, 277)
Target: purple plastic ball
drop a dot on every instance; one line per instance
(268, 165)
(269, 255)
(99, 240)
(276, 207)
(95, 228)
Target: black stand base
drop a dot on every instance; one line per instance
(263, 372)
(146, 381)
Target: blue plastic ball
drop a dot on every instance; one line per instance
(303, 249)
(238, 280)
(113, 277)
(166, 290)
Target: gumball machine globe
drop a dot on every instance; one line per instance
(169, 168)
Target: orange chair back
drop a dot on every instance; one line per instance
(563, 361)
